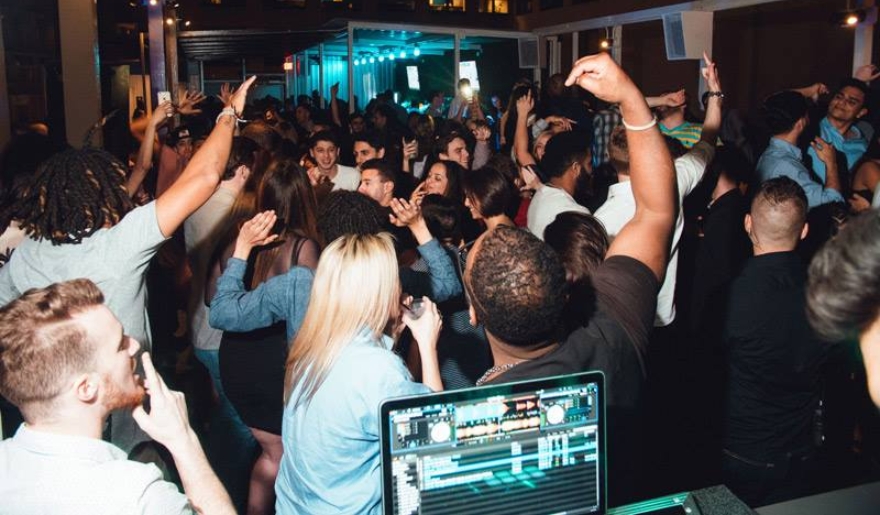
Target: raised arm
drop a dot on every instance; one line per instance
(168, 424)
(524, 105)
(202, 175)
(712, 122)
(145, 155)
(334, 105)
(647, 235)
(674, 99)
(441, 282)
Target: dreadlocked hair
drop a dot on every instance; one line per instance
(72, 195)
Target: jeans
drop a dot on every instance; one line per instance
(761, 483)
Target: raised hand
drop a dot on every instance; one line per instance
(674, 99)
(603, 77)
(167, 421)
(410, 148)
(334, 91)
(525, 104)
(710, 73)
(867, 73)
(238, 97)
(560, 123)
(482, 133)
(225, 94)
(404, 213)
(161, 114)
(189, 101)
(255, 233)
(418, 194)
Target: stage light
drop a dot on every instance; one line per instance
(850, 19)
(186, 23)
(372, 59)
(169, 21)
(417, 52)
(403, 54)
(606, 43)
(381, 58)
(154, 2)
(390, 56)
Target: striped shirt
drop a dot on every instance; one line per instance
(687, 133)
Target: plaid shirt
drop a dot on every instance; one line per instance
(604, 122)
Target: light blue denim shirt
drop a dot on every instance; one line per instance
(783, 158)
(853, 148)
(283, 297)
(331, 461)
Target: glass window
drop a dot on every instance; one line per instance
(446, 5)
(494, 6)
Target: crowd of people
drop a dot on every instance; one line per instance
(314, 262)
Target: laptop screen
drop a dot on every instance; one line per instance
(533, 447)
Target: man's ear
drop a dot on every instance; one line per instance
(388, 186)
(805, 230)
(747, 224)
(86, 387)
(473, 316)
(862, 113)
(381, 153)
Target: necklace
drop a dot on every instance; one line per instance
(494, 370)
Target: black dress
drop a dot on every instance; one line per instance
(252, 367)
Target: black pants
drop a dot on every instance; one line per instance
(761, 483)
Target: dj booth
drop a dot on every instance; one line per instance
(718, 500)
(536, 447)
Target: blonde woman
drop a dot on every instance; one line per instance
(339, 369)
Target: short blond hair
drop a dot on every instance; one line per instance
(41, 345)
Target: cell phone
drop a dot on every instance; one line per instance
(164, 96)
(467, 92)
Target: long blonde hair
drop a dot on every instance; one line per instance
(356, 287)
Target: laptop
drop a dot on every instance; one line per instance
(534, 448)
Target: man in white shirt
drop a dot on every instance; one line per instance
(566, 163)
(689, 170)
(324, 149)
(66, 363)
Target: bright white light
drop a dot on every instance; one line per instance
(417, 52)
(390, 56)
(372, 59)
(381, 58)
(403, 54)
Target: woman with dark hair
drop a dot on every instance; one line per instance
(581, 243)
(252, 363)
(490, 196)
(443, 178)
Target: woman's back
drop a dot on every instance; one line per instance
(335, 466)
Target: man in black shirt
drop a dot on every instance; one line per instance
(773, 357)
(516, 284)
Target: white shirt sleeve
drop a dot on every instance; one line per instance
(690, 168)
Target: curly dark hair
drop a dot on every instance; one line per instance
(348, 212)
(73, 194)
(517, 287)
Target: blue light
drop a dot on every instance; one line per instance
(403, 54)
(372, 59)
(381, 58)
(390, 56)
(417, 52)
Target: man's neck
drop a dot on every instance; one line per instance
(71, 424)
(789, 137)
(840, 126)
(565, 183)
(504, 353)
(330, 172)
(760, 250)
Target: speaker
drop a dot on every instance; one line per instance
(529, 53)
(687, 34)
